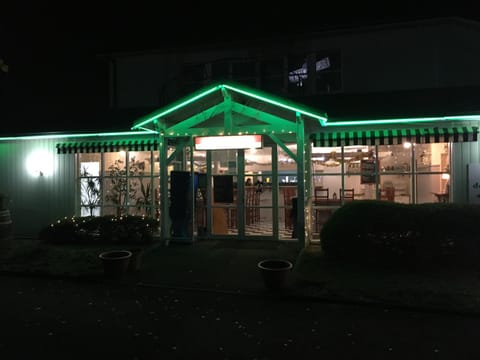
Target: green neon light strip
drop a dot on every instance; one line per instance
(322, 119)
(175, 107)
(154, 116)
(59, 136)
(405, 120)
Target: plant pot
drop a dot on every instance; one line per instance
(115, 263)
(275, 273)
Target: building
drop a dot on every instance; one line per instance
(382, 112)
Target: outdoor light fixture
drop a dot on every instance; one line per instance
(228, 142)
(40, 163)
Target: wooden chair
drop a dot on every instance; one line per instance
(321, 195)
(387, 193)
(347, 194)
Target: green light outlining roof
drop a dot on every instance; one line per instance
(282, 103)
(74, 135)
(228, 109)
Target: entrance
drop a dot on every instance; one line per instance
(241, 195)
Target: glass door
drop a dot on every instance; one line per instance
(235, 193)
(258, 200)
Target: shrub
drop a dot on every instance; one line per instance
(107, 229)
(380, 232)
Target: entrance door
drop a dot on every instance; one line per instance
(238, 197)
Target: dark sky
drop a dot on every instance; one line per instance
(51, 47)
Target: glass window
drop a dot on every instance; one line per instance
(328, 73)
(90, 185)
(432, 165)
(297, 73)
(106, 187)
(327, 169)
(287, 167)
(224, 162)
(385, 172)
(258, 169)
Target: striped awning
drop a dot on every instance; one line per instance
(106, 146)
(395, 136)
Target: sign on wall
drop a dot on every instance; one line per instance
(367, 168)
(474, 183)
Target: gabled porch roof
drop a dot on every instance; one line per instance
(230, 109)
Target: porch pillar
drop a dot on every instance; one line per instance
(308, 191)
(163, 173)
(301, 203)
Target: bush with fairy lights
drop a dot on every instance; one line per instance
(107, 229)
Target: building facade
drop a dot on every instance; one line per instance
(385, 112)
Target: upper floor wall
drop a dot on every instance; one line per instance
(419, 55)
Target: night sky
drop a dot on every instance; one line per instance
(52, 48)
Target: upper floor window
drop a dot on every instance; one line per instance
(328, 72)
(321, 71)
(324, 69)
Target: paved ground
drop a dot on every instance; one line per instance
(231, 266)
(58, 319)
(208, 300)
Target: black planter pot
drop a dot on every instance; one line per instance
(115, 263)
(275, 273)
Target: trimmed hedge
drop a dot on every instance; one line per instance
(387, 233)
(107, 229)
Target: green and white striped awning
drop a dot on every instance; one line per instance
(395, 136)
(106, 146)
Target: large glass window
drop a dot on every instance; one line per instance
(407, 173)
(118, 183)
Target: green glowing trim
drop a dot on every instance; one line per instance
(162, 112)
(405, 120)
(59, 136)
(320, 118)
(184, 103)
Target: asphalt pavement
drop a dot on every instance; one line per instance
(209, 300)
(61, 319)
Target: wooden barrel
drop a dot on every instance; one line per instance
(6, 231)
